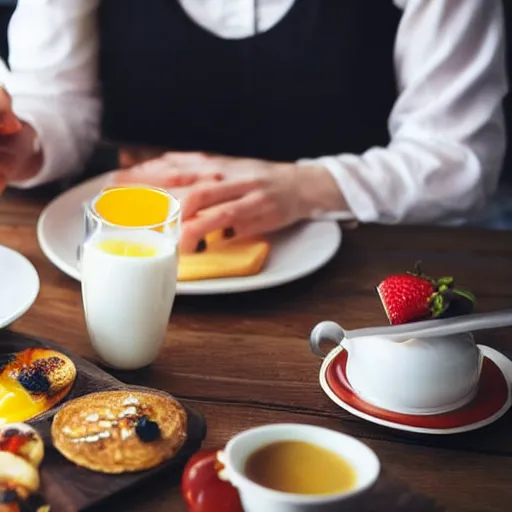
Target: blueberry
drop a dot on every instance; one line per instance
(8, 496)
(147, 430)
(11, 432)
(34, 380)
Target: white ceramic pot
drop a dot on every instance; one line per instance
(256, 498)
(420, 376)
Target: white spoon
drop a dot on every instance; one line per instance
(400, 333)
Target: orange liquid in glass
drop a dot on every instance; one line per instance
(133, 206)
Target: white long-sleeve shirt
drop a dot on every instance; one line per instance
(447, 130)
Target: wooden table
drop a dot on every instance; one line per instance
(244, 360)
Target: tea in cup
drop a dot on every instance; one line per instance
(128, 265)
(286, 468)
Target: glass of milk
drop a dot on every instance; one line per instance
(128, 266)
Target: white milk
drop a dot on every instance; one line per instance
(128, 299)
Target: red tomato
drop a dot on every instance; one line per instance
(203, 490)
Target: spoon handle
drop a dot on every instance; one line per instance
(442, 327)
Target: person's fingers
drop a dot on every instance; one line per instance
(157, 173)
(233, 217)
(189, 157)
(9, 123)
(198, 162)
(163, 180)
(205, 195)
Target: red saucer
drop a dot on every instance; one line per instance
(492, 397)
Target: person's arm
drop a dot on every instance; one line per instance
(53, 82)
(447, 129)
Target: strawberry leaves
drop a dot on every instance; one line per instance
(449, 301)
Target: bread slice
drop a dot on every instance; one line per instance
(237, 258)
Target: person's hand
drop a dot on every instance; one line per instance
(252, 197)
(18, 160)
(241, 196)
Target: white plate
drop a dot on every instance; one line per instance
(502, 362)
(296, 252)
(19, 285)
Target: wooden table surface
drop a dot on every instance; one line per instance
(243, 360)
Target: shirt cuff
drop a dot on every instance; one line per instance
(51, 135)
(345, 216)
(344, 170)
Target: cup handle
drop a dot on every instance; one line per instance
(204, 484)
(328, 330)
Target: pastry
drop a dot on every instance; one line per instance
(32, 382)
(120, 431)
(221, 258)
(11, 502)
(22, 440)
(18, 473)
(21, 453)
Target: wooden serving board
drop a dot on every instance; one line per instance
(69, 488)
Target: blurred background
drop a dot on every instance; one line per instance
(499, 212)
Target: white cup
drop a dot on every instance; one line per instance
(420, 376)
(256, 498)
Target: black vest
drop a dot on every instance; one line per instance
(320, 82)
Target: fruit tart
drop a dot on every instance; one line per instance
(21, 453)
(32, 382)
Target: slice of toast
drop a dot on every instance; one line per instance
(237, 258)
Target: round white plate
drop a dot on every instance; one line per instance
(19, 285)
(502, 362)
(295, 253)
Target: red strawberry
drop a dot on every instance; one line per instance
(413, 296)
(405, 298)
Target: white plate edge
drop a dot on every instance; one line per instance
(30, 302)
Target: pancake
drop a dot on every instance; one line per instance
(32, 382)
(120, 431)
(236, 258)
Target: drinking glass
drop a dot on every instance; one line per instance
(128, 266)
